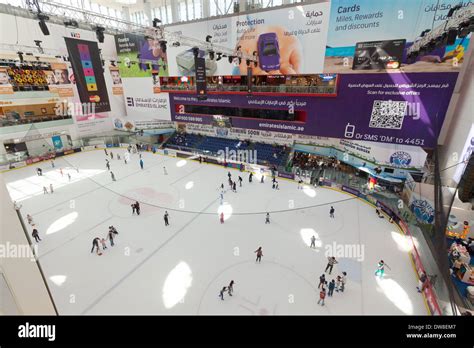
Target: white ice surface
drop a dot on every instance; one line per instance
(180, 269)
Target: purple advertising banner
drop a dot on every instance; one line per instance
(286, 175)
(350, 190)
(395, 108)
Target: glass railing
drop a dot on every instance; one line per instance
(290, 89)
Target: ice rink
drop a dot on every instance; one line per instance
(180, 269)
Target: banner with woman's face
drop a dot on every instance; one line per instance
(5, 85)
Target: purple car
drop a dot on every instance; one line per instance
(268, 52)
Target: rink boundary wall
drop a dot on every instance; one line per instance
(429, 295)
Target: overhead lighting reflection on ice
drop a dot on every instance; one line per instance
(176, 285)
(307, 233)
(395, 293)
(189, 185)
(181, 163)
(62, 222)
(309, 191)
(225, 208)
(58, 279)
(404, 242)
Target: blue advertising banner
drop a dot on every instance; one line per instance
(57, 142)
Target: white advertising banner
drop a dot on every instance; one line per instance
(287, 41)
(400, 156)
(241, 134)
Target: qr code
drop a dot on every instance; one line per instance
(388, 114)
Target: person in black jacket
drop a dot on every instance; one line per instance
(165, 217)
(322, 281)
(95, 244)
(230, 288)
(35, 235)
(137, 207)
(111, 236)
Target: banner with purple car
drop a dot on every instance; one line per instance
(406, 109)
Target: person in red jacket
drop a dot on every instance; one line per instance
(322, 296)
(222, 218)
(259, 252)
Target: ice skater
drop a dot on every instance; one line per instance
(110, 235)
(300, 184)
(107, 164)
(35, 235)
(338, 283)
(377, 211)
(111, 155)
(95, 244)
(381, 268)
(259, 253)
(322, 296)
(141, 163)
(137, 207)
(222, 218)
(52, 163)
(276, 186)
(240, 181)
(51, 188)
(39, 171)
(313, 241)
(61, 171)
(222, 186)
(331, 286)
(166, 218)
(118, 156)
(112, 175)
(343, 281)
(234, 187)
(221, 293)
(134, 208)
(229, 175)
(29, 218)
(322, 280)
(69, 176)
(105, 151)
(331, 212)
(230, 288)
(222, 197)
(165, 172)
(331, 262)
(45, 190)
(422, 282)
(267, 218)
(250, 177)
(262, 179)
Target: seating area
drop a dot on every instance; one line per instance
(266, 154)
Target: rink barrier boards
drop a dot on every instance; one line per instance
(428, 294)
